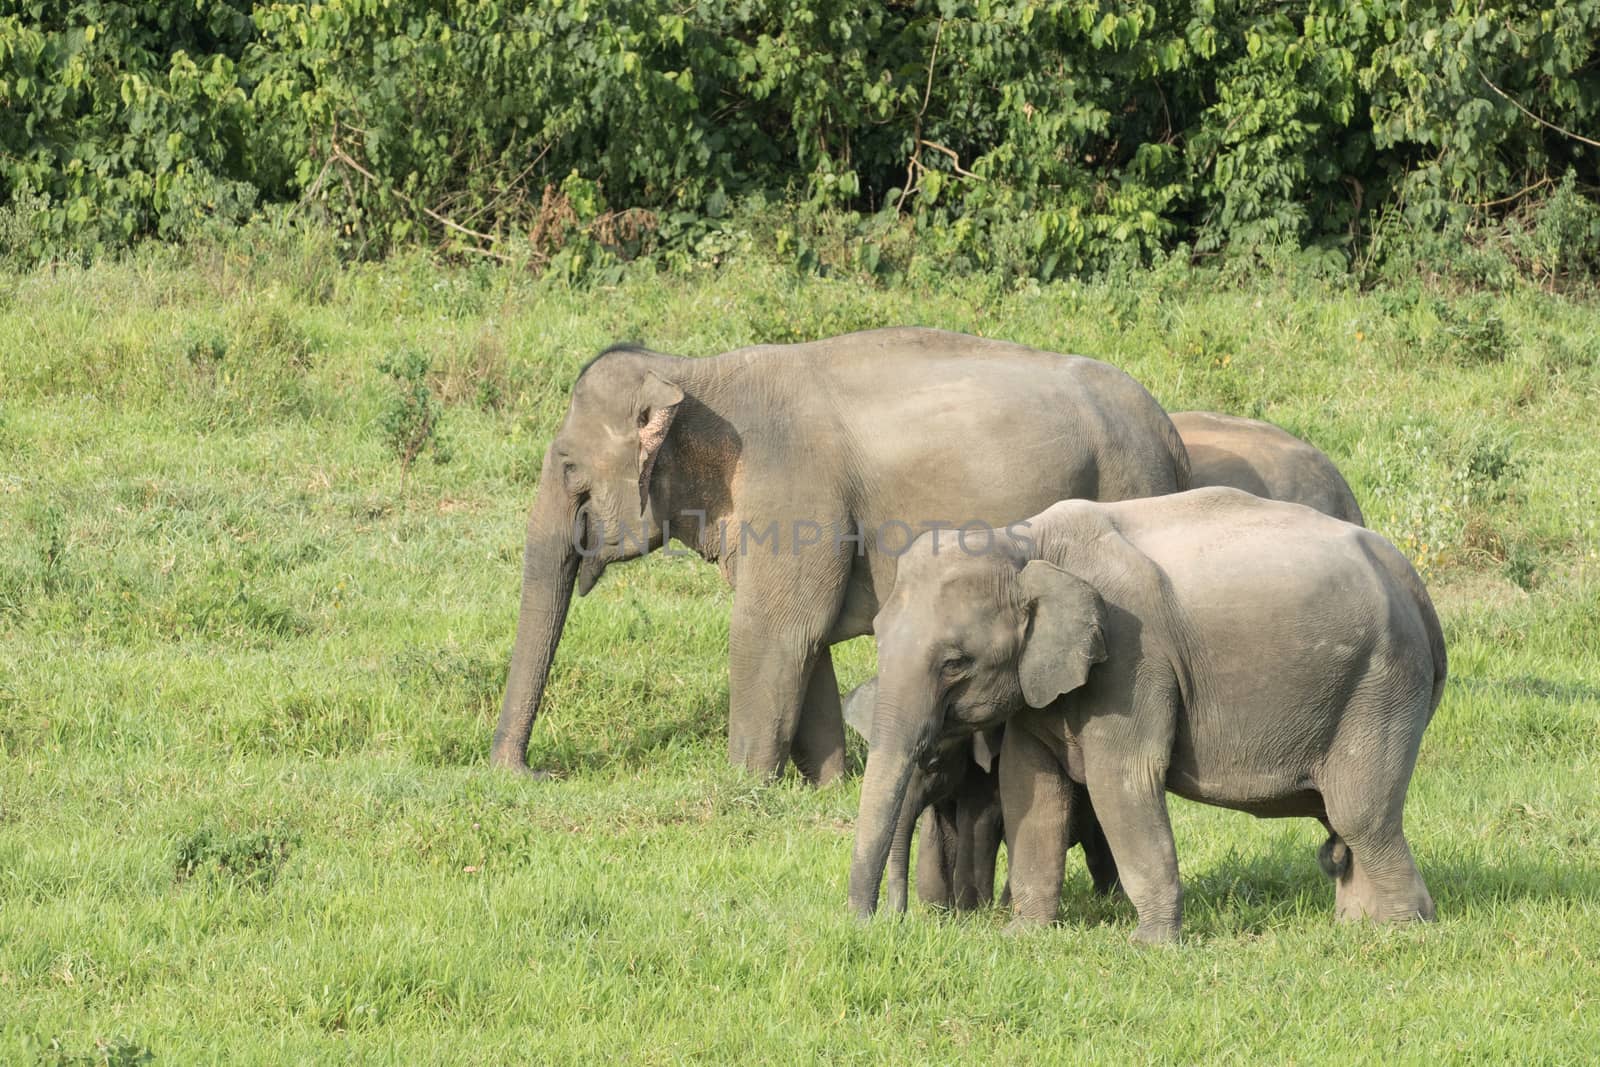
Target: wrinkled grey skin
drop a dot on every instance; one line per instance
(1235, 651)
(1260, 458)
(1224, 450)
(956, 791)
(848, 434)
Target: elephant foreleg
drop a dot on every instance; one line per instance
(936, 857)
(981, 831)
(1132, 805)
(775, 646)
(1035, 802)
(819, 738)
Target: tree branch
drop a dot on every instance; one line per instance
(336, 151)
(1549, 125)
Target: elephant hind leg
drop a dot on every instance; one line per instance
(1364, 793)
(1086, 832)
(818, 750)
(1378, 878)
(1382, 883)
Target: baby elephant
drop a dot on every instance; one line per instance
(1236, 651)
(956, 792)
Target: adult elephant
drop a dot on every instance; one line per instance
(961, 825)
(803, 471)
(1260, 458)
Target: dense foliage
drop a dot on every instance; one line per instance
(1042, 136)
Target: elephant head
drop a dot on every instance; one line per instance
(594, 506)
(964, 642)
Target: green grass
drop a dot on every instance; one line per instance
(247, 684)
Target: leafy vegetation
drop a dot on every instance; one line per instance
(246, 690)
(1035, 137)
(411, 421)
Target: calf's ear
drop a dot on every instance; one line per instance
(1063, 638)
(986, 747)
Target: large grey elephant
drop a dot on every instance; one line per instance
(1260, 458)
(960, 805)
(803, 471)
(1233, 650)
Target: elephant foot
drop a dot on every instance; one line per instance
(520, 769)
(1358, 896)
(832, 770)
(1021, 925)
(1153, 934)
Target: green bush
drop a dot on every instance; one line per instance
(412, 415)
(1036, 137)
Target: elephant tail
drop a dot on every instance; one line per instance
(1334, 857)
(1441, 659)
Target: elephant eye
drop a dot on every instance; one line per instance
(955, 664)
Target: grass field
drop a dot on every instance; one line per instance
(247, 680)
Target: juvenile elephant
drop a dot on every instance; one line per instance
(1225, 450)
(1235, 651)
(803, 471)
(1260, 458)
(955, 789)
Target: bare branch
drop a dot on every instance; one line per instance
(1549, 125)
(955, 160)
(336, 151)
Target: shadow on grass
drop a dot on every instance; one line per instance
(1265, 888)
(643, 745)
(1529, 685)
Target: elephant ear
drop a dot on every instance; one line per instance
(658, 403)
(986, 747)
(1064, 637)
(858, 706)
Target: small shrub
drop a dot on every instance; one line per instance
(18, 220)
(119, 1051)
(1564, 240)
(252, 860)
(1471, 331)
(1522, 566)
(412, 417)
(1489, 469)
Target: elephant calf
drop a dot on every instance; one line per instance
(1236, 651)
(953, 800)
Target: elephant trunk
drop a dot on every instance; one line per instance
(900, 850)
(896, 743)
(549, 567)
(883, 791)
